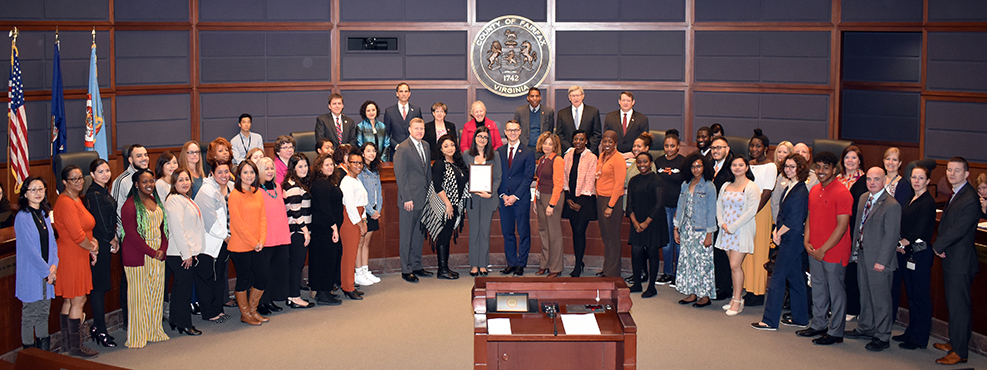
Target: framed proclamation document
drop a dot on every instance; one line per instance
(481, 178)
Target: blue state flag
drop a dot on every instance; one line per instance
(95, 126)
(57, 108)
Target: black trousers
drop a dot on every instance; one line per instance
(852, 290)
(960, 308)
(180, 313)
(645, 255)
(207, 287)
(323, 260)
(101, 277)
(277, 282)
(918, 285)
(223, 272)
(251, 270)
(296, 262)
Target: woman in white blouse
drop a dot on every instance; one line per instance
(188, 238)
(735, 210)
(212, 271)
(354, 224)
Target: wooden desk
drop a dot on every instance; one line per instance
(533, 344)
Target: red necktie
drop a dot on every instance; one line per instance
(404, 113)
(510, 157)
(339, 131)
(625, 123)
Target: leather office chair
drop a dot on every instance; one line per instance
(81, 159)
(658, 146)
(738, 145)
(312, 155)
(304, 141)
(830, 145)
(203, 148)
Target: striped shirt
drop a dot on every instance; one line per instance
(298, 203)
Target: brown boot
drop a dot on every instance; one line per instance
(245, 316)
(255, 295)
(76, 348)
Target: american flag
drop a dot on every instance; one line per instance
(17, 122)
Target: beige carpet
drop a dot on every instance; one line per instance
(429, 326)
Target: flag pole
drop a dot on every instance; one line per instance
(13, 34)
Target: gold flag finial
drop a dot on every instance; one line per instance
(94, 35)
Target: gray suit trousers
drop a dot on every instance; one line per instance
(828, 294)
(480, 215)
(875, 301)
(412, 238)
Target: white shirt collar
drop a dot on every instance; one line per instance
(628, 113)
(873, 197)
(956, 189)
(404, 107)
(335, 117)
(535, 109)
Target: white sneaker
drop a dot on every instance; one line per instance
(370, 276)
(361, 280)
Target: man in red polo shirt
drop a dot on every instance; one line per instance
(827, 241)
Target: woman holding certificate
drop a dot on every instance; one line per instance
(549, 173)
(482, 203)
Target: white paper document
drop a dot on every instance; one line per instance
(575, 324)
(982, 225)
(501, 326)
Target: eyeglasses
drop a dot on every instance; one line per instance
(36, 190)
(513, 130)
(791, 167)
(287, 147)
(75, 179)
(483, 137)
(193, 152)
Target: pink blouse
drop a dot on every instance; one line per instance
(278, 232)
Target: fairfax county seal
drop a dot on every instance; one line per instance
(509, 55)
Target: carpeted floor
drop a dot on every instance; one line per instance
(429, 326)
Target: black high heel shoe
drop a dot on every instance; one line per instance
(353, 295)
(103, 339)
(191, 330)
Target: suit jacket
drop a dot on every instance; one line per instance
(397, 127)
(792, 213)
(590, 122)
(523, 116)
(325, 127)
(411, 174)
(516, 177)
(881, 229)
(724, 174)
(431, 139)
(637, 125)
(957, 229)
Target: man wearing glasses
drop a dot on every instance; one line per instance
(720, 152)
(518, 164)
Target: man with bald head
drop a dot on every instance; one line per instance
(803, 150)
(875, 239)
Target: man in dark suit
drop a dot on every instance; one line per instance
(626, 122)
(397, 117)
(333, 124)
(534, 119)
(518, 163)
(413, 176)
(954, 245)
(875, 239)
(720, 158)
(579, 116)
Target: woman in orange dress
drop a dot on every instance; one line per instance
(74, 226)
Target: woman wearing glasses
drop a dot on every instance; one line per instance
(191, 158)
(74, 227)
(37, 262)
(483, 204)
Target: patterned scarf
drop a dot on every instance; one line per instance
(433, 217)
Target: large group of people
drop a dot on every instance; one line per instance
(713, 222)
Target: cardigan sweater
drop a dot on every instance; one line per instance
(31, 268)
(134, 247)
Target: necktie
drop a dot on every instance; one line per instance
(421, 153)
(510, 157)
(339, 131)
(404, 113)
(863, 219)
(577, 116)
(625, 123)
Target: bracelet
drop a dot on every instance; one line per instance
(551, 206)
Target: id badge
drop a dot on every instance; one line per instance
(910, 265)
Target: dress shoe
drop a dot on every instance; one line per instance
(358, 292)
(684, 301)
(273, 307)
(664, 279)
(353, 296)
(788, 322)
(541, 272)
(103, 339)
(411, 278)
(519, 271)
(553, 275)
(899, 338)
(445, 274)
(577, 270)
(762, 326)
(810, 332)
(636, 288)
(263, 309)
(294, 305)
(827, 339)
(191, 330)
(484, 272)
(951, 358)
(196, 310)
(422, 272)
(909, 345)
(701, 305)
(600, 274)
(325, 298)
(507, 270)
(651, 292)
(474, 273)
(876, 345)
(943, 347)
(856, 334)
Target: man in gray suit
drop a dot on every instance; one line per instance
(876, 236)
(413, 176)
(534, 119)
(955, 246)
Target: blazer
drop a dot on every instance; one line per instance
(793, 209)
(881, 229)
(703, 207)
(585, 178)
(744, 226)
(397, 127)
(103, 208)
(365, 134)
(957, 229)
(431, 139)
(133, 248)
(186, 225)
(215, 215)
(411, 174)
(637, 125)
(918, 219)
(565, 125)
(523, 116)
(517, 179)
(326, 128)
(724, 174)
(498, 171)
(31, 268)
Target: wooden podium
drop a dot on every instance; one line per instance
(532, 343)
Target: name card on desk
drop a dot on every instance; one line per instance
(580, 324)
(499, 326)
